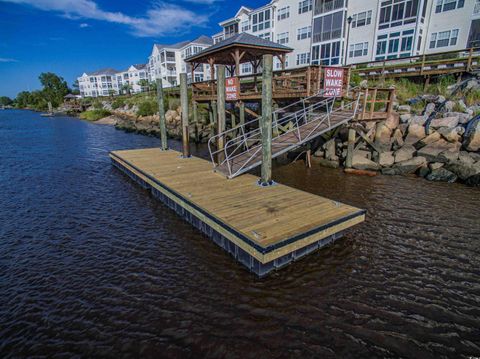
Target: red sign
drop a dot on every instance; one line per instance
(232, 88)
(333, 81)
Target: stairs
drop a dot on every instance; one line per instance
(292, 126)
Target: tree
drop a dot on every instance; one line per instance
(126, 89)
(143, 83)
(54, 88)
(75, 88)
(5, 101)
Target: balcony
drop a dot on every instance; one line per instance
(323, 6)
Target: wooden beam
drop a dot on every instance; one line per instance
(266, 121)
(350, 148)
(220, 110)
(161, 114)
(184, 104)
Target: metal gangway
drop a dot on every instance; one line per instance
(292, 126)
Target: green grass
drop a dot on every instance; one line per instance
(94, 115)
(147, 107)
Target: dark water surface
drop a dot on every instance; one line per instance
(92, 266)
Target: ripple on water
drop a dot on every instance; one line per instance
(90, 264)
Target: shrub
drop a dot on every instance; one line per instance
(472, 98)
(117, 103)
(94, 115)
(147, 108)
(97, 105)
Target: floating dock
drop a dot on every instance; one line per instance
(264, 228)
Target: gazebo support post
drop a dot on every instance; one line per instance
(220, 109)
(266, 121)
(184, 105)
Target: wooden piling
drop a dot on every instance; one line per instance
(195, 120)
(184, 104)
(213, 117)
(266, 120)
(220, 109)
(350, 148)
(242, 113)
(161, 113)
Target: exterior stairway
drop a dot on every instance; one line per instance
(292, 126)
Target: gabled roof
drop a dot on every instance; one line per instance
(140, 66)
(246, 42)
(243, 9)
(106, 71)
(205, 40)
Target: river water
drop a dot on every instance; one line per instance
(91, 265)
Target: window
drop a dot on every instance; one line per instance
(266, 36)
(304, 6)
(444, 39)
(278, 63)
(304, 33)
(474, 35)
(231, 30)
(362, 19)
(261, 21)
(394, 45)
(282, 38)
(397, 13)
(476, 9)
(198, 77)
(246, 68)
(328, 27)
(326, 54)
(323, 6)
(446, 5)
(245, 25)
(283, 13)
(358, 50)
(303, 59)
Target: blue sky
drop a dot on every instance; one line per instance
(71, 36)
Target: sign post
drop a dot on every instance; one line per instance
(232, 89)
(333, 82)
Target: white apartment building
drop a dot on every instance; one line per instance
(167, 61)
(109, 81)
(317, 30)
(98, 83)
(287, 22)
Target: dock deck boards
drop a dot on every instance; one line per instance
(267, 223)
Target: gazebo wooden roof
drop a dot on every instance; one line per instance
(238, 49)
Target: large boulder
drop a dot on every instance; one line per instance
(466, 158)
(462, 117)
(404, 108)
(418, 120)
(397, 139)
(410, 166)
(405, 117)
(415, 134)
(326, 163)
(404, 153)
(450, 122)
(451, 134)
(433, 137)
(386, 159)
(473, 180)
(362, 163)
(449, 105)
(392, 121)
(330, 150)
(429, 109)
(382, 136)
(432, 151)
(442, 175)
(472, 136)
(463, 170)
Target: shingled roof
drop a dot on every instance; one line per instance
(254, 45)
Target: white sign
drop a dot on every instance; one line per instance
(333, 82)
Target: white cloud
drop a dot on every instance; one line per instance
(159, 20)
(84, 25)
(7, 59)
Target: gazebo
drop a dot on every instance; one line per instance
(238, 49)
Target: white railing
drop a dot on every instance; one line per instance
(245, 143)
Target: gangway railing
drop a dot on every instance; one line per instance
(292, 126)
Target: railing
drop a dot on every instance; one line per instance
(371, 99)
(300, 82)
(246, 138)
(442, 62)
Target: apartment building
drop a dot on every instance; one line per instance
(98, 83)
(109, 81)
(320, 31)
(167, 61)
(287, 22)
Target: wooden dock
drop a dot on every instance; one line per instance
(263, 228)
